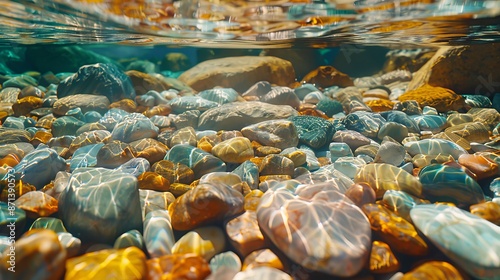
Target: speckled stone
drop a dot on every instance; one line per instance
(38, 255)
(434, 147)
(234, 150)
(128, 263)
(304, 224)
(235, 116)
(99, 79)
(86, 102)
(244, 233)
(400, 234)
(86, 200)
(198, 160)
(445, 183)
(39, 166)
(178, 266)
(158, 234)
(134, 127)
(315, 132)
(275, 133)
(205, 204)
(174, 172)
(455, 232)
(114, 154)
(383, 177)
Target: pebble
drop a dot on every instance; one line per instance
(382, 259)
(134, 127)
(158, 234)
(185, 135)
(450, 228)
(312, 131)
(178, 266)
(244, 233)
(129, 239)
(114, 153)
(435, 270)
(281, 134)
(86, 102)
(234, 150)
(434, 147)
(198, 160)
(205, 242)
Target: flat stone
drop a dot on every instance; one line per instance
(403, 118)
(205, 204)
(237, 115)
(488, 116)
(134, 127)
(315, 132)
(434, 147)
(198, 160)
(25, 105)
(98, 79)
(304, 224)
(444, 183)
(394, 130)
(262, 272)
(85, 156)
(352, 138)
(339, 150)
(327, 76)
(234, 150)
(281, 134)
(86, 102)
(86, 200)
(480, 165)
(128, 263)
(135, 166)
(455, 232)
(437, 270)
(281, 96)
(219, 95)
(400, 234)
(40, 166)
(472, 132)
(383, 177)
(144, 82)
(276, 165)
(239, 72)
(40, 254)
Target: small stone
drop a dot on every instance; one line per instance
(53, 224)
(480, 165)
(227, 263)
(263, 272)
(352, 138)
(40, 254)
(10, 160)
(99, 79)
(327, 76)
(361, 194)
(20, 81)
(281, 134)
(366, 123)
(89, 138)
(349, 166)
(70, 243)
(178, 266)
(315, 132)
(134, 127)
(248, 172)
(394, 130)
(433, 270)
(395, 231)
(329, 107)
(198, 160)
(153, 200)
(472, 132)
(150, 149)
(487, 210)
(393, 178)
(185, 135)
(205, 204)
(244, 233)
(382, 259)
(434, 147)
(13, 215)
(446, 226)
(402, 118)
(442, 99)
(85, 156)
(234, 150)
(205, 242)
(144, 82)
(281, 96)
(25, 105)
(262, 258)
(66, 125)
(339, 150)
(174, 172)
(401, 203)
(114, 154)
(158, 234)
(380, 105)
(187, 103)
(40, 166)
(276, 165)
(219, 95)
(488, 116)
(128, 263)
(153, 181)
(86, 102)
(129, 239)
(127, 105)
(252, 200)
(390, 152)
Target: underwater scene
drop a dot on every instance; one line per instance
(250, 139)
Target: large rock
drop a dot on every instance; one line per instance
(239, 72)
(235, 116)
(469, 69)
(99, 79)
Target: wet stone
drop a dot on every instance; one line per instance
(352, 138)
(329, 107)
(86, 200)
(390, 152)
(198, 160)
(114, 154)
(158, 234)
(360, 194)
(219, 95)
(150, 149)
(185, 135)
(134, 127)
(112, 117)
(86, 102)
(262, 258)
(153, 181)
(10, 160)
(89, 138)
(205, 242)
(281, 96)
(434, 147)
(382, 259)
(244, 233)
(178, 266)
(442, 99)
(70, 243)
(481, 166)
(433, 270)
(187, 103)
(20, 81)
(402, 118)
(401, 203)
(249, 173)
(287, 214)
(487, 210)
(153, 200)
(135, 166)
(224, 266)
(53, 224)
(98, 79)
(443, 183)
(85, 156)
(174, 172)
(10, 215)
(205, 204)
(339, 150)
(400, 234)
(487, 116)
(383, 177)
(394, 130)
(276, 165)
(129, 239)
(186, 119)
(315, 132)
(128, 263)
(11, 136)
(472, 132)
(66, 125)
(275, 133)
(365, 123)
(263, 272)
(234, 150)
(13, 122)
(455, 232)
(127, 105)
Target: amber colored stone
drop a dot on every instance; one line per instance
(252, 200)
(174, 172)
(25, 105)
(400, 234)
(159, 110)
(41, 137)
(312, 112)
(127, 105)
(327, 76)
(244, 233)
(127, 263)
(178, 266)
(37, 204)
(442, 99)
(10, 160)
(275, 177)
(382, 259)
(263, 151)
(144, 82)
(20, 189)
(480, 165)
(324, 161)
(380, 105)
(45, 122)
(433, 270)
(263, 257)
(205, 144)
(178, 189)
(361, 194)
(153, 181)
(38, 255)
(488, 210)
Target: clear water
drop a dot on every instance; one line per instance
(250, 24)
